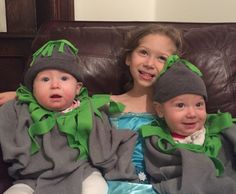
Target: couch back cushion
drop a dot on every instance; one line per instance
(212, 49)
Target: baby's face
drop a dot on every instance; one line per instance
(184, 114)
(55, 90)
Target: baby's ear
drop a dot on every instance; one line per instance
(79, 86)
(159, 109)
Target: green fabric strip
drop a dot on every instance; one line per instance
(116, 107)
(171, 60)
(218, 122)
(47, 49)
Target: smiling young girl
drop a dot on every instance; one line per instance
(145, 53)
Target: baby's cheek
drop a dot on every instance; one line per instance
(69, 96)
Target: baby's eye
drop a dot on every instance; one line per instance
(179, 105)
(200, 104)
(64, 78)
(45, 79)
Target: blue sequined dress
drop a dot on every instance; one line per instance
(133, 121)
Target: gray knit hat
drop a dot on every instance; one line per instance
(178, 77)
(56, 54)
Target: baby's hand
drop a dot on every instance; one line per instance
(6, 96)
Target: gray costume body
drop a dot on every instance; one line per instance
(55, 169)
(187, 172)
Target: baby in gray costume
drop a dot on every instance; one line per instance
(48, 134)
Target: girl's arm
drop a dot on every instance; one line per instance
(6, 96)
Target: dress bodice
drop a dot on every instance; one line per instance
(133, 122)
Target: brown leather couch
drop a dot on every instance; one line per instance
(210, 46)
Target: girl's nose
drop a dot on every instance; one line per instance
(150, 62)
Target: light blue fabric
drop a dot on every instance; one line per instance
(132, 121)
(120, 187)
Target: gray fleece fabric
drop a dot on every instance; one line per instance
(55, 168)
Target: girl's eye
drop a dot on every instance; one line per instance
(162, 58)
(64, 78)
(45, 79)
(142, 52)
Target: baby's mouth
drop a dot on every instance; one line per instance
(55, 96)
(190, 125)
